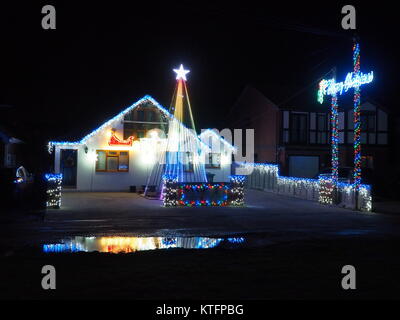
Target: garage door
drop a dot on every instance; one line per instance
(303, 166)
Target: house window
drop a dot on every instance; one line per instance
(112, 161)
(214, 160)
(140, 115)
(321, 129)
(368, 122)
(150, 115)
(298, 130)
(368, 128)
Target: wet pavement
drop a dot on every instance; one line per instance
(277, 218)
(274, 248)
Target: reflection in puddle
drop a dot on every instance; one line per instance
(132, 244)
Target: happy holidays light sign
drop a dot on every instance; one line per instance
(331, 88)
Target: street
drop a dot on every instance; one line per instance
(282, 218)
(295, 249)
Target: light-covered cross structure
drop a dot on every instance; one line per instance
(354, 80)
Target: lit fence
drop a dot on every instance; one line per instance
(348, 198)
(199, 194)
(53, 191)
(263, 176)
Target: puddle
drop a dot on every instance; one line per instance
(133, 244)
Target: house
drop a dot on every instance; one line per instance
(126, 150)
(11, 152)
(294, 131)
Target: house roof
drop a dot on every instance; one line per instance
(301, 98)
(304, 98)
(7, 136)
(146, 98)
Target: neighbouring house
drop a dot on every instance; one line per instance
(11, 152)
(123, 151)
(295, 132)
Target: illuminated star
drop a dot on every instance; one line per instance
(181, 73)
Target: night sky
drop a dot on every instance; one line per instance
(104, 56)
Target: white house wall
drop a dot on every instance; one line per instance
(140, 163)
(90, 180)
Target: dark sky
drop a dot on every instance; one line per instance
(104, 56)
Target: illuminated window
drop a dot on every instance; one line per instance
(123, 163)
(112, 161)
(101, 161)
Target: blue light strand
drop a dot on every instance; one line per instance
(53, 176)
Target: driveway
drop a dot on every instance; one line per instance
(278, 217)
(297, 250)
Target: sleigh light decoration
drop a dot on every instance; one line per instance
(115, 141)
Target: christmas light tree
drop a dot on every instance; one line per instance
(182, 156)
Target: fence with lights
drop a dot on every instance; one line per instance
(54, 182)
(198, 194)
(265, 176)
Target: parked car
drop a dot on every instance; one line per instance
(21, 190)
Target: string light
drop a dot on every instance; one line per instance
(119, 117)
(326, 190)
(53, 191)
(331, 187)
(353, 80)
(237, 190)
(169, 190)
(203, 194)
(182, 152)
(324, 185)
(200, 192)
(357, 121)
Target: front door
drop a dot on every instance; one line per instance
(68, 167)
